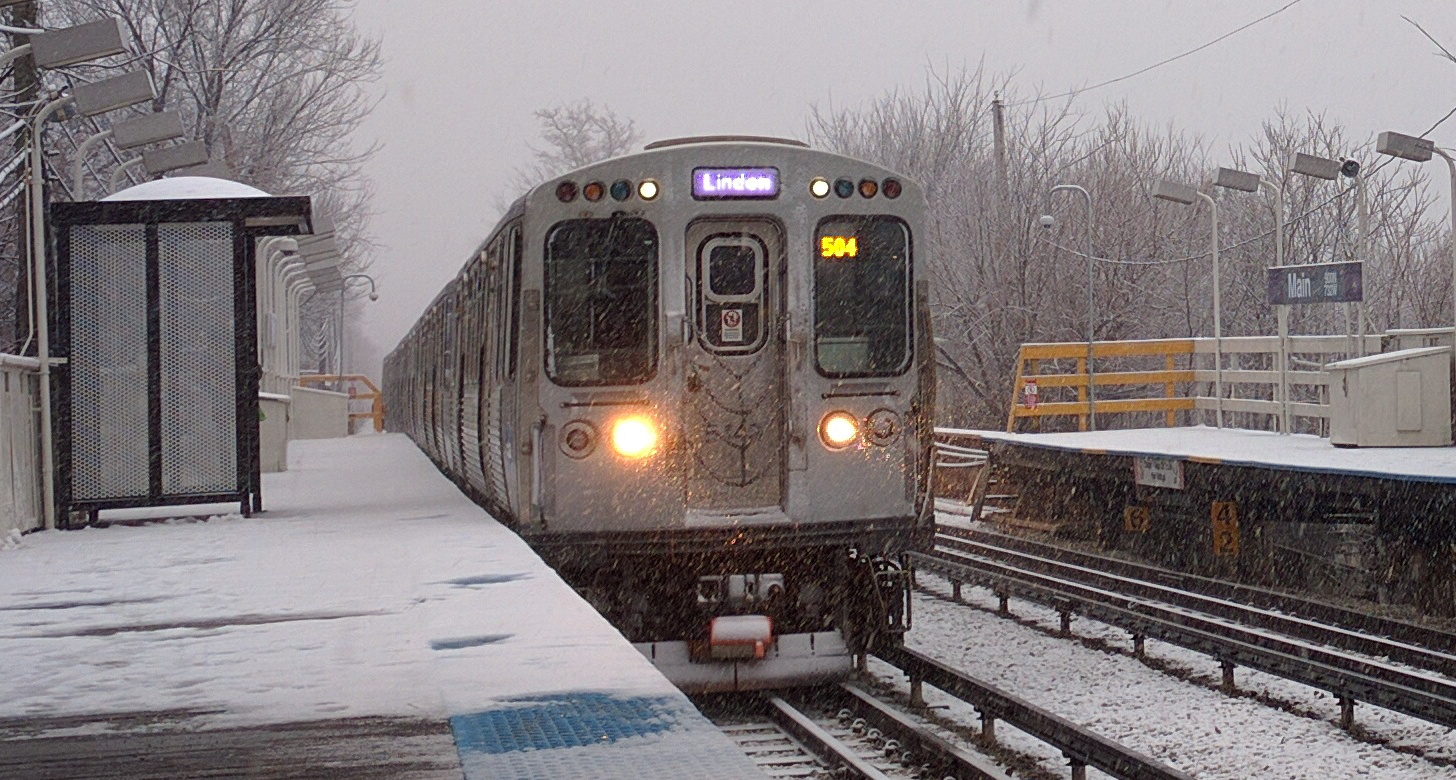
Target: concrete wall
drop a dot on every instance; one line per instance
(318, 414)
(273, 431)
(19, 446)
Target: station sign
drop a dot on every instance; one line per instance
(1158, 472)
(1317, 283)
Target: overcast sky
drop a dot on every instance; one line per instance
(462, 78)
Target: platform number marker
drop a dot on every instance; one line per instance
(1225, 529)
(1137, 519)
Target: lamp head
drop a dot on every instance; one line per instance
(1349, 168)
(373, 296)
(1047, 221)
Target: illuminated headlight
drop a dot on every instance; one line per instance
(882, 427)
(838, 430)
(634, 437)
(819, 188)
(647, 190)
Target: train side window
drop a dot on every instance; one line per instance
(601, 301)
(862, 302)
(513, 334)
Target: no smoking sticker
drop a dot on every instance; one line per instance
(732, 330)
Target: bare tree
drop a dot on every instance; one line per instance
(574, 135)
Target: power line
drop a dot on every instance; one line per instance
(1160, 64)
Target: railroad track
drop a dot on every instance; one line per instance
(847, 732)
(1346, 663)
(1420, 646)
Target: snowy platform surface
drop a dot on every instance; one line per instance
(1259, 449)
(370, 591)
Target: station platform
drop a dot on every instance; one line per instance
(1375, 523)
(372, 622)
(1251, 449)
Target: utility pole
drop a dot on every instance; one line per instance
(998, 135)
(27, 89)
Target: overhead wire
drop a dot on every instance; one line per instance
(1161, 63)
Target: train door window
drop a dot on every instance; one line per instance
(732, 290)
(601, 301)
(862, 305)
(514, 296)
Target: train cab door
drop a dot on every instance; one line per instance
(734, 408)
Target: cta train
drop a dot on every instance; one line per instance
(699, 381)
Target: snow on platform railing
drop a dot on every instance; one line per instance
(19, 446)
(1259, 375)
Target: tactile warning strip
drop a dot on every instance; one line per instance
(596, 735)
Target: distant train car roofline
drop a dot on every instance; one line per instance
(720, 139)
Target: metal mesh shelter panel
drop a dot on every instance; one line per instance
(198, 370)
(108, 362)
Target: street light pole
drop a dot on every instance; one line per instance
(1091, 310)
(1187, 196)
(1244, 181)
(373, 296)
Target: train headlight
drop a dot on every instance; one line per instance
(647, 190)
(634, 437)
(838, 430)
(868, 187)
(819, 187)
(882, 427)
(578, 438)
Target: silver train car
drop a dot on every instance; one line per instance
(699, 380)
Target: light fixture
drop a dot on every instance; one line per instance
(634, 437)
(170, 158)
(647, 190)
(621, 190)
(891, 188)
(838, 430)
(1310, 165)
(1406, 147)
(868, 187)
(594, 191)
(819, 187)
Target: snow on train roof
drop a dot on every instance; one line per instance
(187, 188)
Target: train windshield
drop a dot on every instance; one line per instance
(601, 301)
(862, 297)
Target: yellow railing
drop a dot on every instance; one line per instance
(1030, 379)
(374, 396)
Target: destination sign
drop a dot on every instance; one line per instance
(1319, 283)
(724, 183)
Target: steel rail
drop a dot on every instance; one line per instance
(813, 737)
(1351, 679)
(1398, 640)
(960, 763)
(1080, 745)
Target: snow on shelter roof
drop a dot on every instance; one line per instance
(187, 188)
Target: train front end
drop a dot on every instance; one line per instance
(730, 439)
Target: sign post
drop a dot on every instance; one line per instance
(1289, 285)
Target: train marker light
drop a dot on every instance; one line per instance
(868, 187)
(621, 189)
(594, 191)
(578, 438)
(838, 430)
(634, 437)
(819, 187)
(843, 187)
(882, 426)
(892, 188)
(566, 191)
(647, 190)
